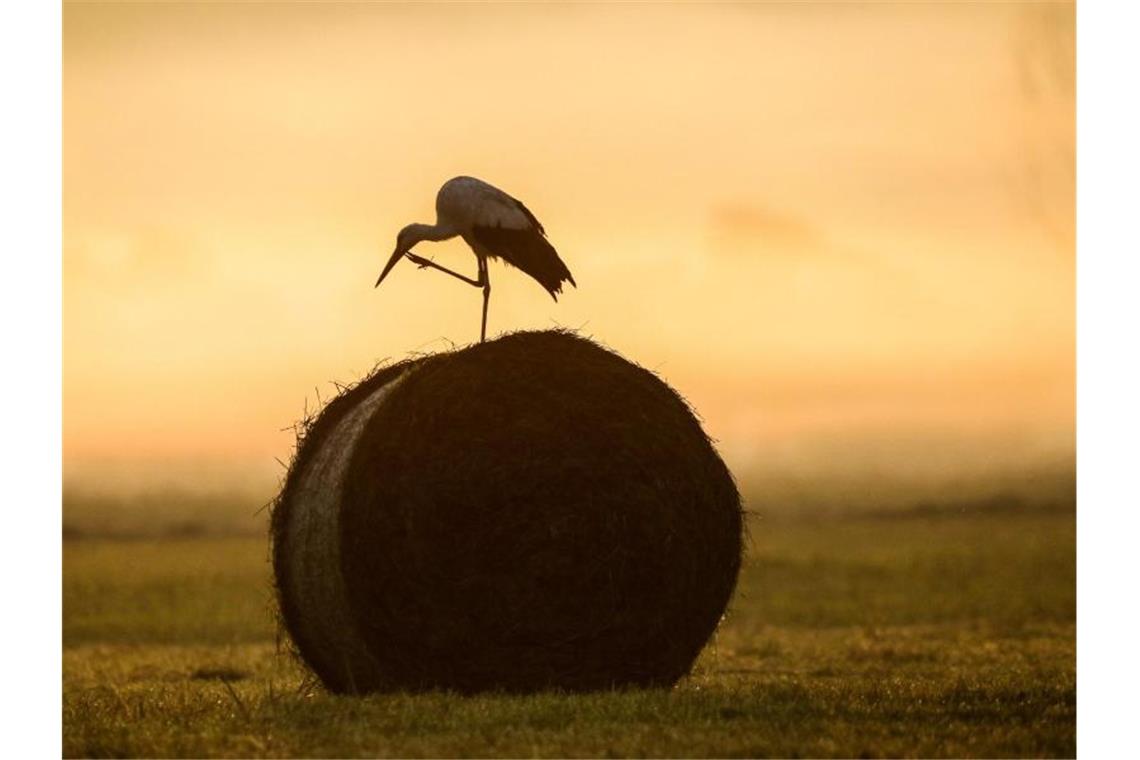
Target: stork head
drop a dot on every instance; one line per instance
(407, 238)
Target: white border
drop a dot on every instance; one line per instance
(1108, 374)
(31, 59)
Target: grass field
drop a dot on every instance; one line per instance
(931, 635)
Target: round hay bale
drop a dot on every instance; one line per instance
(530, 513)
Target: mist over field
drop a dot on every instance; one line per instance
(186, 510)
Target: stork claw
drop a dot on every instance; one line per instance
(420, 261)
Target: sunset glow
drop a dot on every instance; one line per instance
(826, 226)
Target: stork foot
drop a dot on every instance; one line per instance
(420, 261)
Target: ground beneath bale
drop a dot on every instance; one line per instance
(948, 636)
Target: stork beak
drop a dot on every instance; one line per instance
(396, 255)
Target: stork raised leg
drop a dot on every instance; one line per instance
(483, 282)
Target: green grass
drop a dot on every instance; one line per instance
(930, 636)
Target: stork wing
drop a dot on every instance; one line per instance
(529, 251)
(529, 216)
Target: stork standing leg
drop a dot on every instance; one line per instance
(485, 276)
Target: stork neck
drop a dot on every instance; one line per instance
(434, 232)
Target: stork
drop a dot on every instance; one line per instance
(496, 226)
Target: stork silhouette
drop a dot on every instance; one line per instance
(496, 226)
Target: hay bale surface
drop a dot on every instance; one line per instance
(531, 513)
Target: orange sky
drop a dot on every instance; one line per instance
(820, 223)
